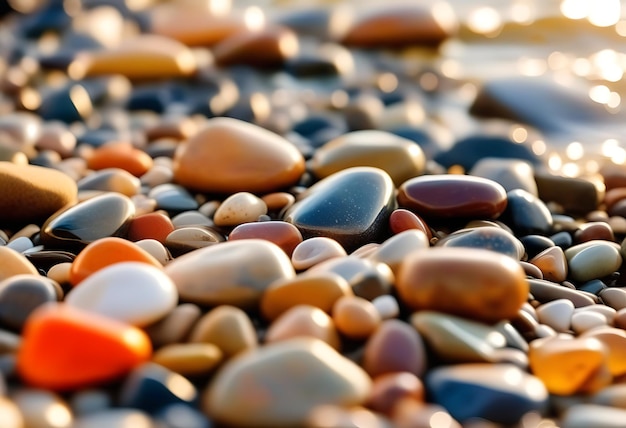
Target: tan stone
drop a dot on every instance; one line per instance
(13, 263)
(189, 359)
(227, 327)
(552, 263)
(304, 321)
(356, 317)
(614, 339)
(241, 207)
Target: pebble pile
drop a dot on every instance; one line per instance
(211, 216)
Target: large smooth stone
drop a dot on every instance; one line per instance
(147, 56)
(279, 384)
(525, 213)
(133, 292)
(500, 393)
(593, 259)
(575, 195)
(99, 217)
(230, 155)
(351, 206)
(235, 273)
(488, 238)
(472, 283)
(453, 196)
(31, 193)
(402, 159)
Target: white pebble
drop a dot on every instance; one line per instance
(20, 244)
(387, 306)
(586, 320)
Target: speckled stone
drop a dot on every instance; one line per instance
(452, 196)
(500, 393)
(31, 193)
(488, 238)
(239, 208)
(227, 327)
(236, 272)
(293, 377)
(189, 238)
(230, 155)
(401, 158)
(493, 286)
(351, 206)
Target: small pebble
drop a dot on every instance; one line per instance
(227, 327)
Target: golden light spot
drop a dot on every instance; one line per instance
(519, 134)
(521, 13)
(620, 28)
(387, 82)
(58, 415)
(484, 20)
(600, 94)
(539, 147)
(429, 81)
(575, 151)
(558, 60)
(576, 9)
(451, 69)
(181, 387)
(555, 162)
(254, 18)
(532, 66)
(339, 99)
(605, 14)
(441, 420)
(614, 101)
(570, 169)
(581, 67)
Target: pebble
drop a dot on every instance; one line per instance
(321, 290)
(30, 193)
(20, 295)
(240, 272)
(557, 314)
(112, 179)
(106, 252)
(546, 291)
(509, 173)
(615, 297)
(592, 415)
(172, 198)
(276, 372)
(283, 234)
(120, 154)
(393, 251)
(102, 216)
(452, 196)
(526, 213)
(593, 259)
(355, 317)
(614, 339)
(229, 155)
(239, 208)
(175, 326)
(315, 250)
(96, 349)
(401, 220)
(553, 264)
(575, 195)
(227, 327)
(189, 359)
(486, 237)
(13, 263)
(401, 158)
(133, 292)
(304, 321)
(391, 388)
(45, 409)
(119, 418)
(494, 286)
(500, 393)
(155, 225)
(351, 206)
(387, 306)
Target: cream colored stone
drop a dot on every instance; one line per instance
(241, 207)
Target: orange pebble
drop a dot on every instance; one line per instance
(105, 252)
(120, 154)
(150, 226)
(65, 348)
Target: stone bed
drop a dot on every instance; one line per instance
(215, 215)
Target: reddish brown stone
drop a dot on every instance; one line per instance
(388, 389)
(401, 220)
(281, 233)
(594, 230)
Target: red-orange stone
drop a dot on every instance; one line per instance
(120, 154)
(65, 348)
(453, 196)
(281, 233)
(105, 252)
(401, 220)
(150, 226)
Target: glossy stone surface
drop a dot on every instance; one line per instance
(315, 250)
(31, 193)
(452, 196)
(111, 180)
(20, 295)
(402, 159)
(553, 264)
(401, 220)
(526, 213)
(509, 173)
(593, 259)
(501, 393)
(229, 155)
(304, 321)
(487, 238)
(352, 206)
(234, 273)
(293, 377)
(13, 263)
(474, 283)
(99, 217)
(283, 234)
(355, 317)
(393, 251)
(120, 154)
(239, 208)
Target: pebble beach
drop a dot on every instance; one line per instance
(325, 214)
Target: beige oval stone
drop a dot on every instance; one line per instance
(593, 259)
(614, 297)
(189, 359)
(587, 320)
(304, 321)
(557, 314)
(30, 193)
(235, 272)
(400, 158)
(146, 56)
(473, 283)
(241, 207)
(176, 325)
(155, 249)
(13, 263)
(315, 250)
(227, 327)
(280, 384)
(356, 317)
(230, 155)
(320, 290)
(394, 250)
(60, 272)
(615, 341)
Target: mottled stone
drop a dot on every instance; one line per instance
(474, 283)
(293, 377)
(593, 259)
(227, 327)
(234, 273)
(20, 295)
(488, 238)
(101, 216)
(265, 48)
(303, 321)
(230, 155)
(31, 193)
(500, 393)
(395, 347)
(239, 208)
(281, 233)
(453, 196)
(315, 250)
(526, 213)
(351, 206)
(552, 263)
(189, 359)
(402, 159)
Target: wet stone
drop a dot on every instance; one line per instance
(488, 238)
(452, 196)
(614, 339)
(526, 213)
(553, 264)
(101, 216)
(401, 220)
(500, 393)
(173, 198)
(352, 206)
(393, 251)
(190, 238)
(355, 317)
(155, 225)
(315, 250)
(592, 415)
(20, 295)
(535, 244)
(283, 234)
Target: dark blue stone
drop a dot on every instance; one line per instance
(52, 17)
(525, 213)
(149, 98)
(468, 151)
(98, 137)
(595, 286)
(487, 238)
(99, 217)
(20, 295)
(152, 387)
(351, 206)
(173, 198)
(60, 104)
(534, 244)
(429, 146)
(318, 122)
(562, 239)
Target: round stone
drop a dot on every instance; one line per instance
(315, 250)
(227, 327)
(281, 233)
(238, 208)
(122, 155)
(525, 213)
(557, 314)
(293, 377)
(20, 295)
(304, 321)
(355, 317)
(473, 283)
(230, 155)
(593, 259)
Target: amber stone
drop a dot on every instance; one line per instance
(453, 196)
(281, 233)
